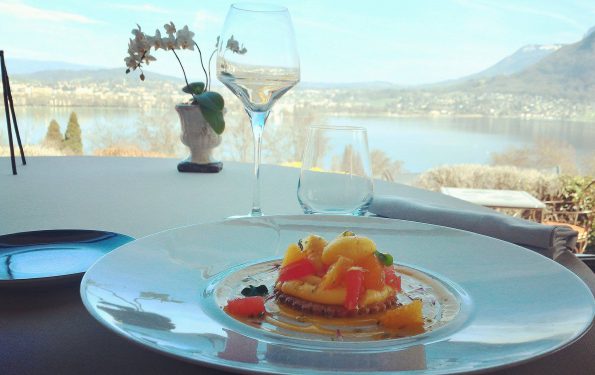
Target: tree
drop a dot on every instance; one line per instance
(383, 166)
(72, 138)
(53, 137)
(543, 154)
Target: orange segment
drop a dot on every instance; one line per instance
(374, 275)
(313, 246)
(292, 254)
(404, 317)
(355, 248)
(335, 273)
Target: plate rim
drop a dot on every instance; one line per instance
(56, 279)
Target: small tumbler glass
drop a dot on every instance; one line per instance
(336, 176)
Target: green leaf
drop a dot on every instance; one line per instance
(195, 88)
(384, 258)
(211, 105)
(210, 99)
(214, 118)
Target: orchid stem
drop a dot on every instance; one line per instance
(210, 58)
(203, 66)
(181, 66)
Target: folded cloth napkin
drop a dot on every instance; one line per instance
(547, 240)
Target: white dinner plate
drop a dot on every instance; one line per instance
(164, 292)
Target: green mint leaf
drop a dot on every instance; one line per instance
(384, 258)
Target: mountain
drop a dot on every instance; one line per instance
(515, 63)
(518, 61)
(567, 73)
(93, 75)
(24, 66)
(50, 77)
(372, 85)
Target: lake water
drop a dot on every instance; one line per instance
(421, 143)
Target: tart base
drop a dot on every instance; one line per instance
(333, 311)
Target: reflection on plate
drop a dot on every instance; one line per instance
(161, 291)
(42, 257)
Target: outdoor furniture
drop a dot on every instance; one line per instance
(50, 331)
(500, 199)
(579, 221)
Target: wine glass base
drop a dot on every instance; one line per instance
(253, 213)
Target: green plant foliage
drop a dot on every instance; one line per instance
(579, 192)
(211, 100)
(212, 104)
(195, 88)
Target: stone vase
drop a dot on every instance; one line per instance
(200, 138)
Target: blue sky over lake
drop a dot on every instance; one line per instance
(404, 42)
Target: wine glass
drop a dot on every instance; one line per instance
(257, 60)
(336, 175)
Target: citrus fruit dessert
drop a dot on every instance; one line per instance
(345, 277)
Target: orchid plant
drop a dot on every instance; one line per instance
(139, 53)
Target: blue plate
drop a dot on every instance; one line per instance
(48, 256)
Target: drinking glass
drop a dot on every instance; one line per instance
(257, 60)
(336, 176)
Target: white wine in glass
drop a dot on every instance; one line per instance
(257, 60)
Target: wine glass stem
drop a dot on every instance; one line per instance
(257, 120)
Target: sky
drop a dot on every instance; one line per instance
(403, 42)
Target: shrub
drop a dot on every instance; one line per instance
(578, 194)
(577, 191)
(32, 150)
(128, 151)
(534, 182)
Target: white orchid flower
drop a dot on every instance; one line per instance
(157, 40)
(131, 62)
(138, 47)
(148, 58)
(138, 33)
(170, 43)
(232, 44)
(184, 38)
(133, 47)
(148, 42)
(170, 28)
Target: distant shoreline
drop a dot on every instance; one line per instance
(340, 114)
